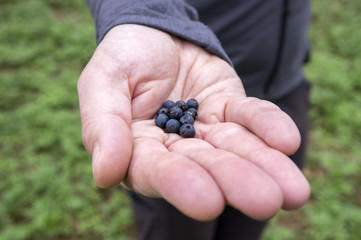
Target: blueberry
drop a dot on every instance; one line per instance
(192, 103)
(168, 104)
(172, 126)
(182, 105)
(161, 120)
(186, 119)
(187, 131)
(163, 110)
(192, 112)
(175, 112)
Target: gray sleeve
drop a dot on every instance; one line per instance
(173, 16)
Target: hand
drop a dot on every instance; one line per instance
(239, 154)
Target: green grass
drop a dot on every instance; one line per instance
(46, 187)
(334, 158)
(47, 190)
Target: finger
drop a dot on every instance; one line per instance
(236, 139)
(106, 117)
(267, 121)
(244, 185)
(155, 172)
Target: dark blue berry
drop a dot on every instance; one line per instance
(161, 120)
(192, 103)
(175, 112)
(163, 110)
(168, 104)
(172, 126)
(187, 131)
(178, 117)
(192, 112)
(182, 105)
(186, 119)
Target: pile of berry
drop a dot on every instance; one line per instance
(178, 117)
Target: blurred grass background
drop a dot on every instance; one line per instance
(46, 186)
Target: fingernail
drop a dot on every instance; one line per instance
(95, 152)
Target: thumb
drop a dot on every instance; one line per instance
(105, 111)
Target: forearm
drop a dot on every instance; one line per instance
(175, 17)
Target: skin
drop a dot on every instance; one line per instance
(239, 155)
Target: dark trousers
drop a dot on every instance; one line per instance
(158, 220)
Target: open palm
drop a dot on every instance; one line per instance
(239, 153)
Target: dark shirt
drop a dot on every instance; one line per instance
(265, 41)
